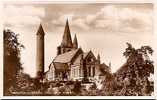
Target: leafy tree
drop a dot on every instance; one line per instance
(132, 77)
(11, 56)
(108, 85)
(23, 82)
(139, 61)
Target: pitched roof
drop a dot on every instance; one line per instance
(66, 57)
(67, 42)
(88, 53)
(85, 54)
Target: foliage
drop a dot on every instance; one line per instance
(23, 82)
(12, 62)
(132, 77)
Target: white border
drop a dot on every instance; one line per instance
(72, 2)
(78, 97)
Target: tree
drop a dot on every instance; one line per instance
(23, 82)
(132, 77)
(139, 60)
(12, 64)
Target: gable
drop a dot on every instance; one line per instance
(86, 55)
(90, 55)
(77, 60)
(77, 56)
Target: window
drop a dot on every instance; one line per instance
(73, 72)
(88, 59)
(93, 71)
(76, 72)
(92, 59)
(89, 71)
(80, 72)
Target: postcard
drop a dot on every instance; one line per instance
(78, 49)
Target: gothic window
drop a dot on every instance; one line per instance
(92, 59)
(77, 72)
(93, 71)
(89, 71)
(89, 60)
(74, 72)
(80, 72)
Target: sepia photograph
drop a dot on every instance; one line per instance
(78, 49)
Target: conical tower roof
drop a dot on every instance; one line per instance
(40, 30)
(75, 43)
(67, 42)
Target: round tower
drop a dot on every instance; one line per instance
(40, 52)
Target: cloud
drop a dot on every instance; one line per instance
(105, 13)
(80, 23)
(23, 20)
(24, 10)
(91, 18)
(111, 18)
(60, 21)
(132, 20)
(23, 15)
(124, 19)
(105, 24)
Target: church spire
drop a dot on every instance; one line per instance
(66, 42)
(75, 43)
(40, 30)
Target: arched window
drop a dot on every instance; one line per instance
(93, 71)
(89, 71)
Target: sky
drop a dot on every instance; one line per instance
(103, 28)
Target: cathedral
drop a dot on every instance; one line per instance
(71, 63)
